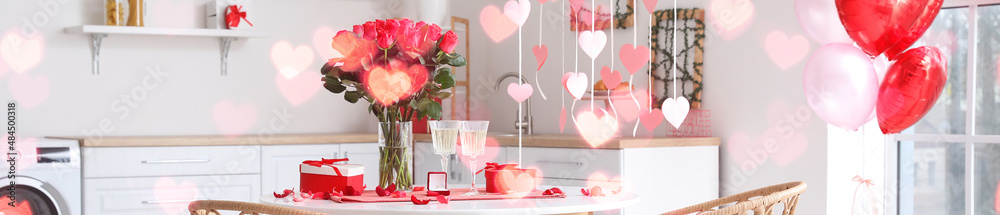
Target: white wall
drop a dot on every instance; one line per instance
(183, 102)
(745, 90)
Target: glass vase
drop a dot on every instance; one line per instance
(395, 164)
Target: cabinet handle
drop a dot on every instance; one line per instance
(167, 201)
(562, 162)
(176, 161)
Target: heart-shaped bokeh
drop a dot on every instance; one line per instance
(321, 42)
(497, 26)
(730, 18)
(234, 120)
(169, 191)
(517, 11)
(290, 62)
(388, 86)
(300, 88)
(596, 127)
(20, 53)
(784, 50)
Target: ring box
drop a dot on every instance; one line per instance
(438, 182)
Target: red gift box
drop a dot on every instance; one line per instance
(494, 169)
(325, 176)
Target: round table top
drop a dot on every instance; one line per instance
(575, 202)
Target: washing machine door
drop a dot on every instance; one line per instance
(30, 197)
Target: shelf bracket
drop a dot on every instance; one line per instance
(225, 42)
(96, 51)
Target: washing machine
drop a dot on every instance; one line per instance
(47, 178)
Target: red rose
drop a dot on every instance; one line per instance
(359, 30)
(385, 41)
(433, 32)
(370, 32)
(448, 42)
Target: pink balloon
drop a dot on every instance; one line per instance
(821, 22)
(841, 85)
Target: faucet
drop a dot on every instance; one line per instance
(525, 124)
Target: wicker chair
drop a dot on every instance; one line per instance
(211, 207)
(760, 201)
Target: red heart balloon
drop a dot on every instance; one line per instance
(917, 30)
(911, 87)
(877, 25)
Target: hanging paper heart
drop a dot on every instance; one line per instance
(575, 4)
(651, 119)
(611, 78)
(592, 42)
(596, 130)
(541, 54)
(576, 84)
(517, 11)
(543, 1)
(675, 110)
(497, 26)
(519, 92)
(650, 5)
(634, 57)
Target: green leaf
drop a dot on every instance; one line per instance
(334, 88)
(433, 110)
(423, 103)
(353, 96)
(325, 69)
(457, 60)
(443, 95)
(445, 78)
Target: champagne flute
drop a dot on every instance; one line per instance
(444, 134)
(473, 134)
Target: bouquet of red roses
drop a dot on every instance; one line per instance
(403, 70)
(394, 64)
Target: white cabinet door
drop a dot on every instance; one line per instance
(109, 162)
(164, 195)
(280, 163)
(365, 154)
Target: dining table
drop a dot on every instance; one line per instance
(574, 203)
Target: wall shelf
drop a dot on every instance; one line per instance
(99, 32)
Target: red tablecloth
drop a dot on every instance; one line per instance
(456, 195)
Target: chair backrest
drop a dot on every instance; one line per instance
(760, 201)
(212, 207)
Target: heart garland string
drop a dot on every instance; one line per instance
(676, 112)
(540, 49)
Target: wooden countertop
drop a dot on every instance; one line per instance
(538, 140)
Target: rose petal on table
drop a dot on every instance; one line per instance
(297, 199)
(443, 199)
(418, 188)
(432, 193)
(418, 201)
(399, 194)
(391, 188)
(585, 191)
(547, 192)
(380, 191)
(557, 190)
(596, 191)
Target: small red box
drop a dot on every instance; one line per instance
(491, 176)
(438, 182)
(328, 177)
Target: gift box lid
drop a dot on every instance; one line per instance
(332, 169)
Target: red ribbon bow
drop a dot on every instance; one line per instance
(326, 162)
(491, 165)
(234, 16)
(861, 181)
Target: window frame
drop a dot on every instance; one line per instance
(969, 139)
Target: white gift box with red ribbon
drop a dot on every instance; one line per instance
(216, 13)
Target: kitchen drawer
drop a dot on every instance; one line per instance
(103, 162)
(569, 163)
(164, 195)
(280, 163)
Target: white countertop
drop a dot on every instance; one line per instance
(573, 203)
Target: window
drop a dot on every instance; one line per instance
(949, 162)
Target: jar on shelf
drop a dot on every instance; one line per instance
(116, 12)
(137, 12)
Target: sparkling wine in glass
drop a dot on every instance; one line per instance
(473, 134)
(444, 134)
